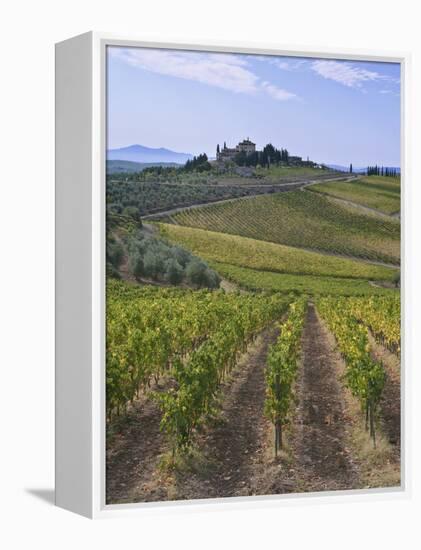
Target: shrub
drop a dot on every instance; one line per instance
(131, 212)
(173, 271)
(136, 265)
(196, 272)
(181, 255)
(212, 278)
(151, 265)
(153, 258)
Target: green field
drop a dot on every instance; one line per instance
(304, 220)
(265, 256)
(251, 279)
(276, 173)
(378, 192)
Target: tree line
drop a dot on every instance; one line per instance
(382, 171)
(269, 155)
(198, 164)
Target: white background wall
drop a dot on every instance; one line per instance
(28, 32)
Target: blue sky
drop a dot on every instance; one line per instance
(330, 110)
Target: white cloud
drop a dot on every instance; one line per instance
(345, 73)
(288, 64)
(227, 71)
(277, 93)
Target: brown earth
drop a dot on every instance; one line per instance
(323, 460)
(134, 447)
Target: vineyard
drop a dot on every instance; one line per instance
(196, 337)
(265, 256)
(322, 224)
(383, 317)
(285, 379)
(364, 376)
(179, 350)
(255, 280)
(380, 193)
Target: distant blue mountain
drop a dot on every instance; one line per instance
(140, 153)
(357, 169)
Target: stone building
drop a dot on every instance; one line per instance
(246, 146)
(229, 153)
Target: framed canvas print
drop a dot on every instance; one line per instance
(230, 274)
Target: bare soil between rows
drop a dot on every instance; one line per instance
(323, 460)
(133, 454)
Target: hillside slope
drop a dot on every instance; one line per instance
(302, 219)
(265, 256)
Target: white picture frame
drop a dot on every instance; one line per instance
(80, 276)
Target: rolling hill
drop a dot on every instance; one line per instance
(269, 257)
(302, 220)
(378, 192)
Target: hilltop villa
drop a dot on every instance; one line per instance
(246, 146)
(226, 153)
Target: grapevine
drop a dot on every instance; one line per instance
(282, 367)
(382, 316)
(364, 376)
(190, 403)
(192, 337)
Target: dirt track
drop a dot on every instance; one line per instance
(323, 460)
(133, 456)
